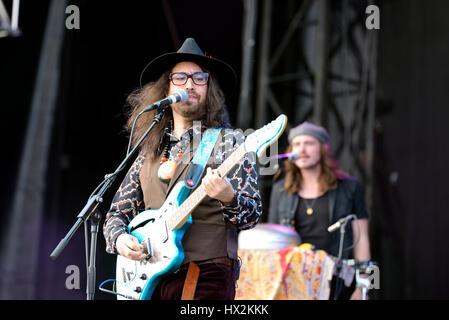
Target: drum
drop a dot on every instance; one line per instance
(268, 236)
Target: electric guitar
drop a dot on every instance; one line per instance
(160, 231)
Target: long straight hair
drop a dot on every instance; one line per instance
(215, 115)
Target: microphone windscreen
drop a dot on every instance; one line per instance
(294, 157)
(183, 94)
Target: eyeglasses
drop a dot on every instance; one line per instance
(180, 78)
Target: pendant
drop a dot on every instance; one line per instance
(166, 170)
(309, 211)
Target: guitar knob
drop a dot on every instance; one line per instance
(143, 276)
(138, 289)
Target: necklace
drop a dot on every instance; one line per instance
(309, 207)
(167, 167)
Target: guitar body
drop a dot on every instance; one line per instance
(138, 279)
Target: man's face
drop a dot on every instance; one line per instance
(308, 149)
(194, 107)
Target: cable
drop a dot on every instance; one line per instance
(132, 133)
(112, 175)
(113, 291)
(355, 243)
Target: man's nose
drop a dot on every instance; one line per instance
(189, 84)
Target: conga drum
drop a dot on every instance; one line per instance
(268, 236)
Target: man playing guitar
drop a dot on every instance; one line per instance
(210, 265)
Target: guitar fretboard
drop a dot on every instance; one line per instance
(180, 216)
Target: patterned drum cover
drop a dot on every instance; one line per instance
(268, 236)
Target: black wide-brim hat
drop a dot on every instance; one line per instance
(190, 51)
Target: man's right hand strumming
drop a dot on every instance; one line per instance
(129, 247)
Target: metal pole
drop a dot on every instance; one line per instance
(371, 105)
(245, 114)
(263, 67)
(322, 49)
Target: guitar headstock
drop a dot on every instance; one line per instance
(261, 139)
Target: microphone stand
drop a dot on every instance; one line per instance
(339, 258)
(92, 214)
(91, 270)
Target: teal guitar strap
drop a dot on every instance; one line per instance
(201, 157)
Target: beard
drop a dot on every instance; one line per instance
(192, 110)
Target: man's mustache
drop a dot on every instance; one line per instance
(194, 94)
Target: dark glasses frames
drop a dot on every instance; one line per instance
(180, 78)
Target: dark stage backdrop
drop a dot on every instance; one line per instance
(101, 64)
(411, 149)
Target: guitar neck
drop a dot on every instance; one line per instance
(180, 216)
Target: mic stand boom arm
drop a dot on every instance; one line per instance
(90, 212)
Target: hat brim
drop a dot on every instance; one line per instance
(223, 72)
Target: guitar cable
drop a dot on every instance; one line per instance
(113, 289)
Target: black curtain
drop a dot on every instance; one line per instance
(411, 171)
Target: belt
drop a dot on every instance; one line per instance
(188, 290)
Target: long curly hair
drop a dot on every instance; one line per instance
(328, 180)
(215, 115)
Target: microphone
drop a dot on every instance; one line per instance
(288, 156)
(180, 96)
(338, 224)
